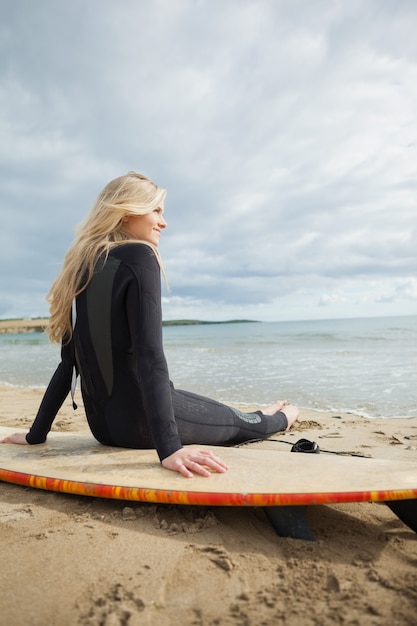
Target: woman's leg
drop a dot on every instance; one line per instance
(204, 421)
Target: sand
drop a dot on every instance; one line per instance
(70, 560)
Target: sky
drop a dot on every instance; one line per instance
(285, 132)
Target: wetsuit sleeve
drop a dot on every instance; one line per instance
(145, 322)
(54, 397)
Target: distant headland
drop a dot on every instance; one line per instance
(201, 322)
(38, 324)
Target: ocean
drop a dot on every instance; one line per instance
(365, 366)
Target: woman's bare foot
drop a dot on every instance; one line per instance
(274, 408)
(290, 411)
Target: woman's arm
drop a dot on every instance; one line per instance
(143, 306)
(53, 398)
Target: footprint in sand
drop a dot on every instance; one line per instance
(117, 607)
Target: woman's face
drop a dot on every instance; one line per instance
(147, 227)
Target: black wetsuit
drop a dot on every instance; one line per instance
(117, 348)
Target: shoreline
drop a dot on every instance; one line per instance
(168, 564)
(246, 406)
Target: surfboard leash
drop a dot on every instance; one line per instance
(308, 448)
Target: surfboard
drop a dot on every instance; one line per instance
(76, 463)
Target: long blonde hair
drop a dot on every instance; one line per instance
(102, 230)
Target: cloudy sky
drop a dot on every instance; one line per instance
(285, 132)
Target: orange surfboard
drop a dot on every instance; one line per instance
(76, 463)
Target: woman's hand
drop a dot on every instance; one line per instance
(15, 438)
(190, 461)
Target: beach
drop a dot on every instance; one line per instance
(73, 560)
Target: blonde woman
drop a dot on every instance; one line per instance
(106, 312)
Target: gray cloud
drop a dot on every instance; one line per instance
(285, 134)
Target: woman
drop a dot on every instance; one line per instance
(106, 312)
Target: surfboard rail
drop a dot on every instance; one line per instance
(206, 498)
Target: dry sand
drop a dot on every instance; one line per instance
(71, 560)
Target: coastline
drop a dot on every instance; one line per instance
(109, 562)
(38, 324)
(14, 326)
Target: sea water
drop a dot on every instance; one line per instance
(365, 366)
